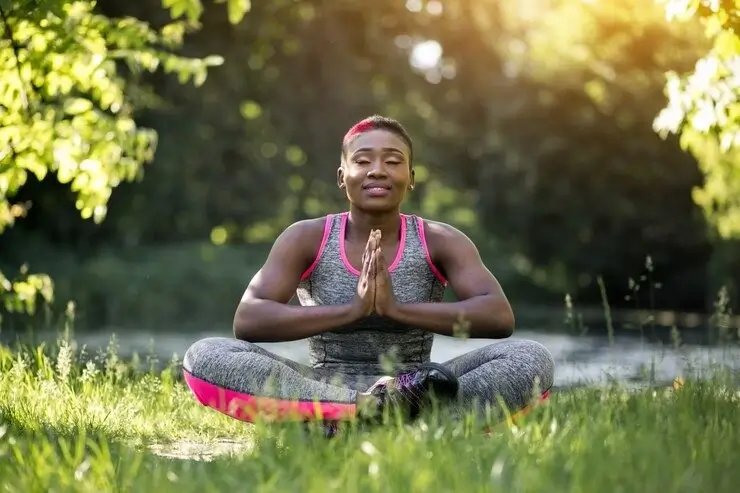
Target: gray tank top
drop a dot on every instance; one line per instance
(369, 345)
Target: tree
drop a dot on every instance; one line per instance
(68, 102)
(576, 177)
(704, 111)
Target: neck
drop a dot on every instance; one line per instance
(362, 222)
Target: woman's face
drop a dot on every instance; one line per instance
(375, 172)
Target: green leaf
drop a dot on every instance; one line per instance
(213, 60)
(727, 45)
(237, 9)
(77, 106)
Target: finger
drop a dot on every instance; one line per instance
(365, 264)
(373, 264)
(371, 244)
(367, 252)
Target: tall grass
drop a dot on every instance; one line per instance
(76, 422)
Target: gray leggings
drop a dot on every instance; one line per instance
(227, 374)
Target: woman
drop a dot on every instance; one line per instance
(370, 282)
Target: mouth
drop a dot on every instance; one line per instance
(376, 189)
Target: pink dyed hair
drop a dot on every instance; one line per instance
(376, 122)
(360, 127)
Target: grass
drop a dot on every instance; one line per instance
(70, 422)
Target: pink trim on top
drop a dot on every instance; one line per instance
(423, 238)
(250, 408)
(343, 252)
(322, 245)
(401, 245)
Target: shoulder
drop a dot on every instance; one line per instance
(306, 228)
(446, 244)
(437, 232)
(302, 236)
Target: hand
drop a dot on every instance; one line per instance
(364, 300)
(385, 300)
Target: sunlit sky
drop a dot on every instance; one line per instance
(425, 55)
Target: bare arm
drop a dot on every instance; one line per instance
(263, 315)
(483, 305)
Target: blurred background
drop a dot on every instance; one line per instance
(533, 124)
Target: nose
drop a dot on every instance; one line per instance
(377, 170)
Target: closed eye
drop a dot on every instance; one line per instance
(363, 161)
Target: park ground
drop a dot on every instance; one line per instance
(76, 422)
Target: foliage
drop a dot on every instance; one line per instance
(567, 167)
(66, 105)
(536, 148)
(533, 133)
(704, 109)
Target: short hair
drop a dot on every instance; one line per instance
(378, 122)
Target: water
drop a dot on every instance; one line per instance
(579, 360)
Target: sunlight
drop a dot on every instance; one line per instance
(426, 55)
(413, 5)
(433, 7)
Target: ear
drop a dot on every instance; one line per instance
(413, 179)
(340, 177)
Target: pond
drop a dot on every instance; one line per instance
(579, 359)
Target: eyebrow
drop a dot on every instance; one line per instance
(384, 149)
